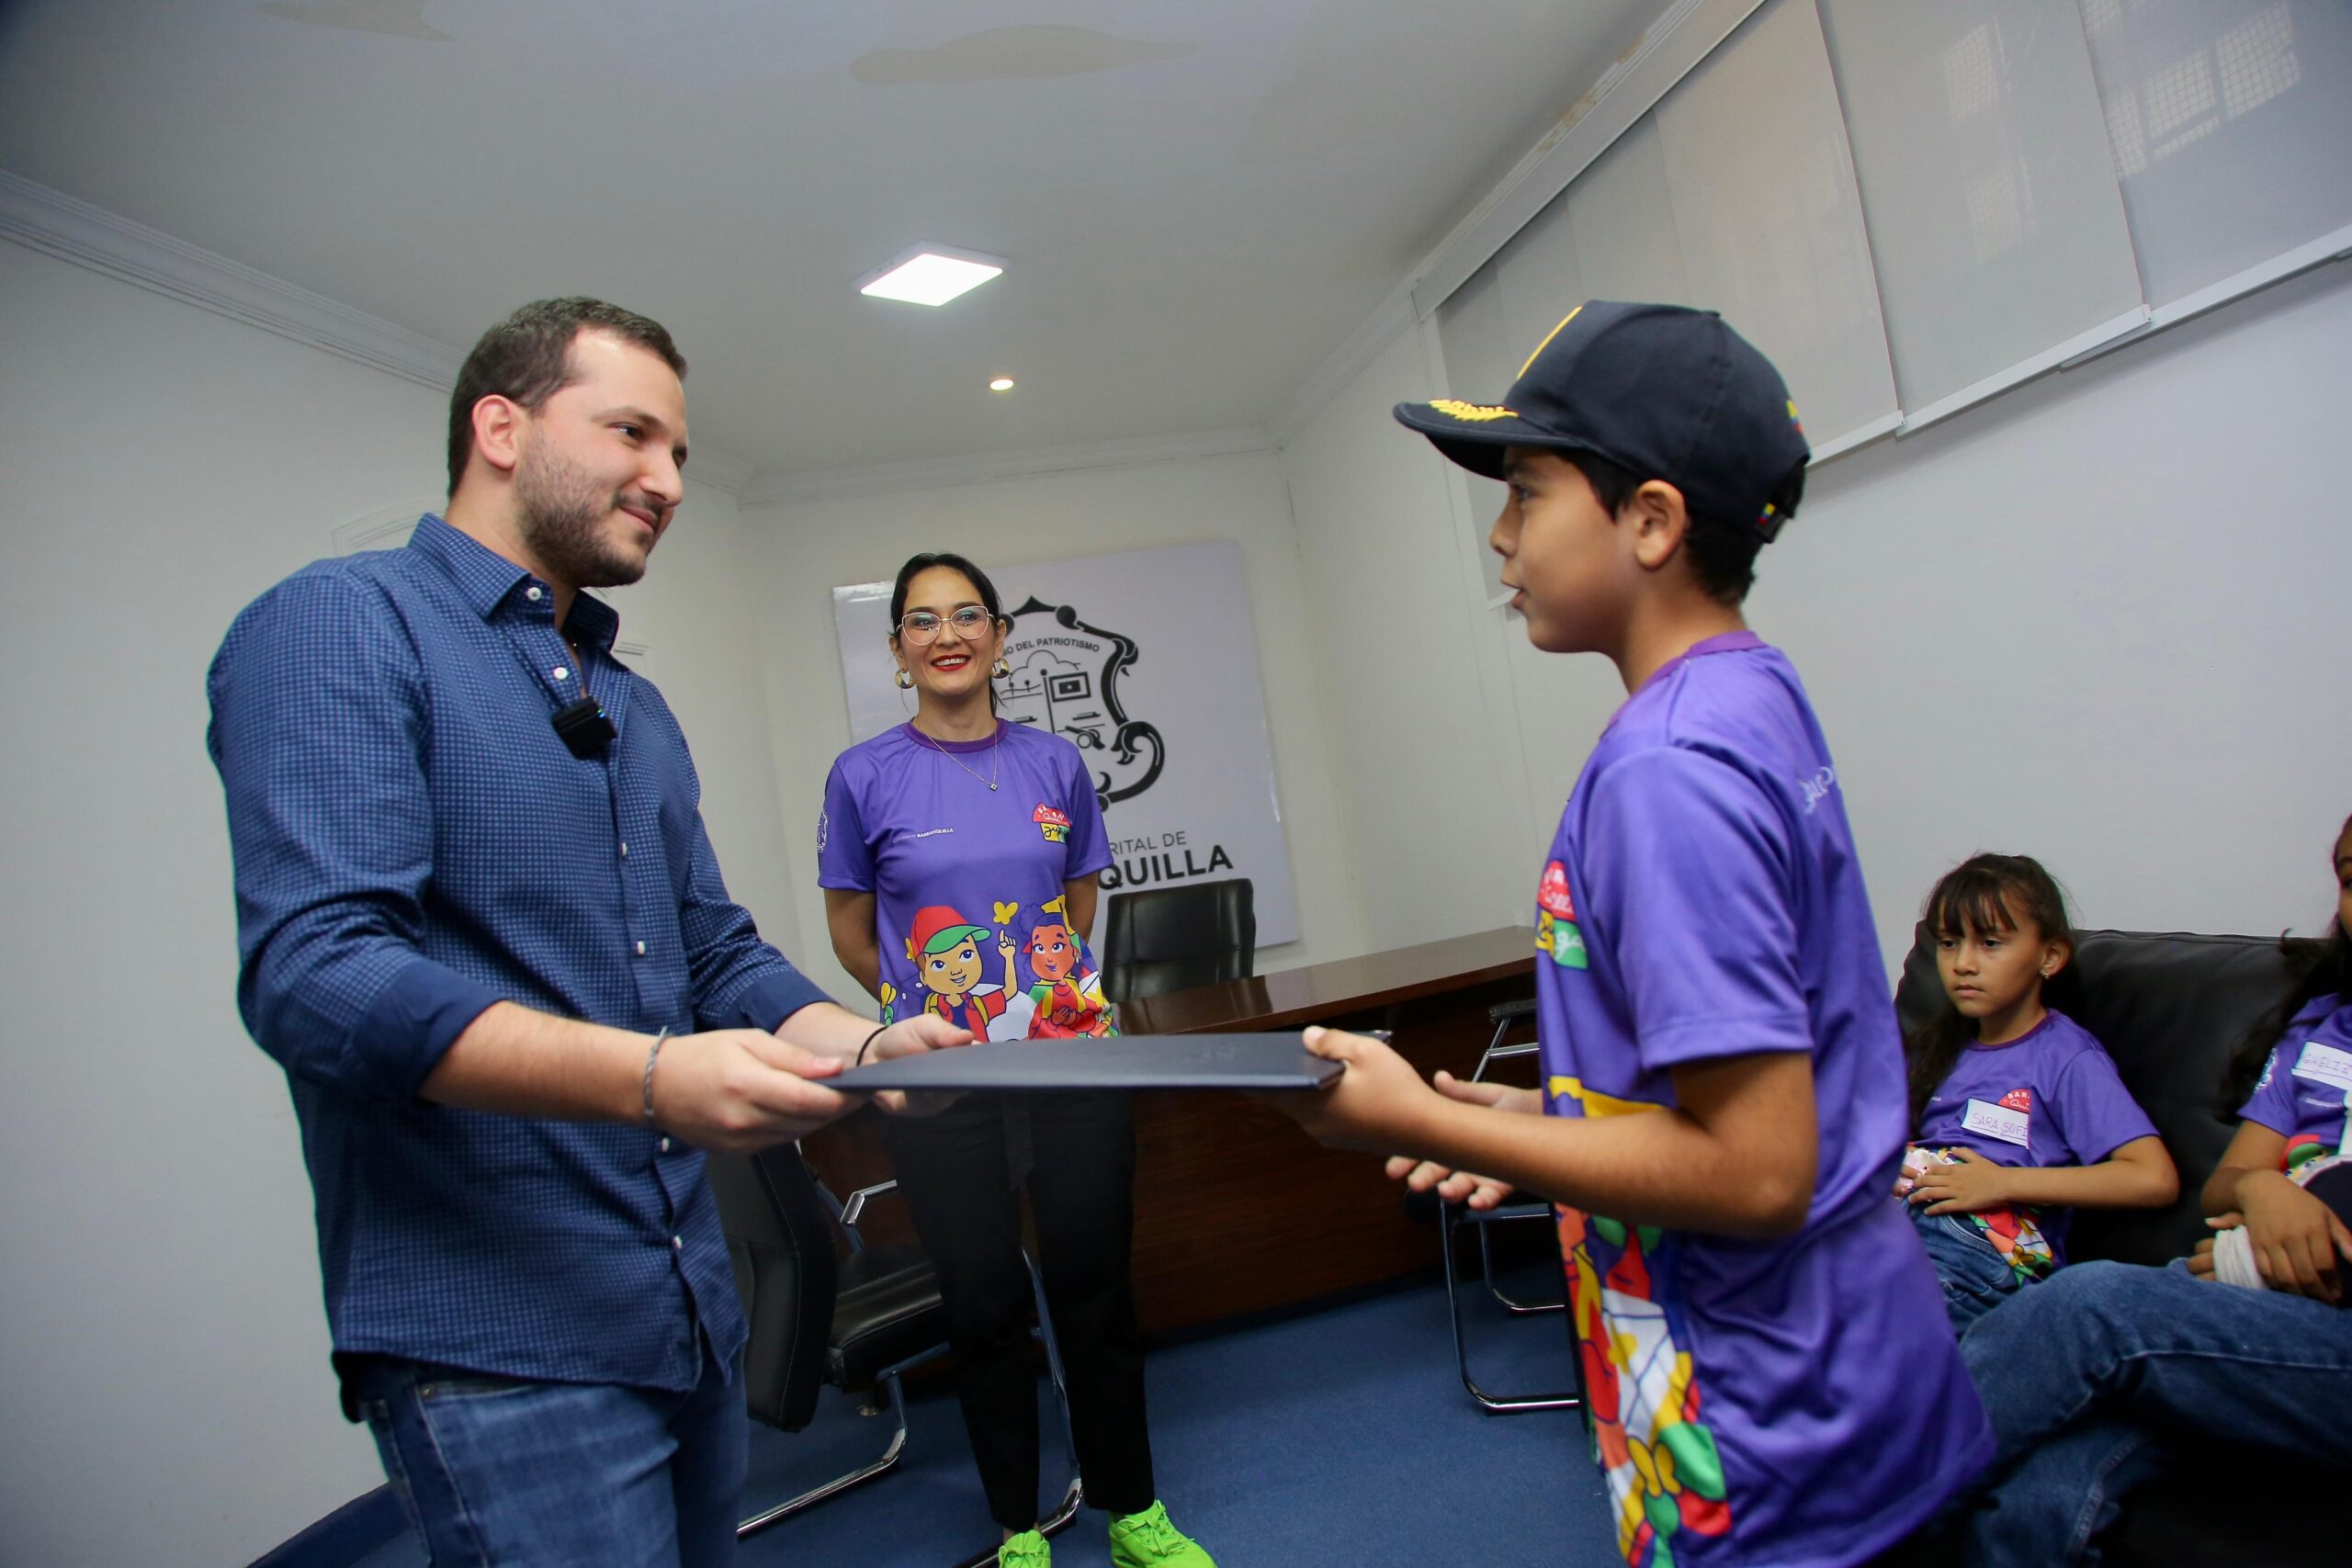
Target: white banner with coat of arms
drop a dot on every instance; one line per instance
(1147, 662)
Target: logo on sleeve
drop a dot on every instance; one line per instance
(1052, 823)
(1556, 920)
(2017, 1100)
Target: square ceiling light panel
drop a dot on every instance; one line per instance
(931, 274)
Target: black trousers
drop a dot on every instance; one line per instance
(962, 1172)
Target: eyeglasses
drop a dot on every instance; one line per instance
(919, 628)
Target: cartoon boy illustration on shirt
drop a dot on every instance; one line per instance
(1068, 995)
(945, 949)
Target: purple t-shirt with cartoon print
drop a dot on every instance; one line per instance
(968, 881)
(2050, 1097)
(2305, 1092)
(1792, 1401)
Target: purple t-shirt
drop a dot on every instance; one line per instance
(2303, 1092)
(1704, 901)
(968, 881)
(2050, 1097)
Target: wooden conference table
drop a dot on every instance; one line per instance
(1236, 1210)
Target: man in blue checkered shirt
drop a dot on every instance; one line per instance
(484, 930)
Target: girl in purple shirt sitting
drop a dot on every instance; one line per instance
(2093, 1381)
(2019, 1114)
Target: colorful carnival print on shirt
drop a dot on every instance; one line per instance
(1556, 920)
(1664, 1472)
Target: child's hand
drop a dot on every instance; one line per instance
(2200, 1257)
(1480, 1193)
(1914, 1160)
(1368, 1106)
(1969, 1184)
(2297, 1239)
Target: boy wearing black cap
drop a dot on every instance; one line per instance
(1769, 1377)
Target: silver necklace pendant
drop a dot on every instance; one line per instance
(989, 781)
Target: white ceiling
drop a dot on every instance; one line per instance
(1200, 201)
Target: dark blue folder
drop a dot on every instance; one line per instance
(1124, 1062)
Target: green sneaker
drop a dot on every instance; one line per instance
(1027, 1549)
(1149, 1540)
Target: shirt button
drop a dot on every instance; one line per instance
(665, 1146)
(676, 1246)
(640, 950)
(560, 672)
(532, 594)
(624, 851)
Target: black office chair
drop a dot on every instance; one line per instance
(1168, 939)
(856, 1321)
(1453, 1215)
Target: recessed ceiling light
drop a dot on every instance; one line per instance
(929, 275)
(1001, 384)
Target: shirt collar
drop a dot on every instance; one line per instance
(1722, 642)
(484, 578)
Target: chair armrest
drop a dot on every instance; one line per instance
(1502, 1053)
(1505, 1012)
(855, 1209)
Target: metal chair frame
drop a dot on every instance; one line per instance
(887, 1384)
(1451, 1215)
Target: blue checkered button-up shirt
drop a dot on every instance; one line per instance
(413, 842)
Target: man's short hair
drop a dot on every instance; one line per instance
(527, 358)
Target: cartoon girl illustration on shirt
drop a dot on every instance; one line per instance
(1068, 994)
(945, 949)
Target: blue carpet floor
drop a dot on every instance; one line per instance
(1336, 1439)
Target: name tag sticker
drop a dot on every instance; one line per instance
(1997, 1122)
(2329, 1065)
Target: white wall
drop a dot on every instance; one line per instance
(161, 1339)
(2099, 619)
(1436, 803)
(801, 551)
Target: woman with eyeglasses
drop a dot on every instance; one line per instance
(959, 855)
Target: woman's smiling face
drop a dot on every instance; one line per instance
(954, 664)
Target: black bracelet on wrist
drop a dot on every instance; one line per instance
(869, 1040)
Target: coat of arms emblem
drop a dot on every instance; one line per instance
(1066, 679)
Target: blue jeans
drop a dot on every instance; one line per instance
(2083, 1375)
(1975, 1278)
(494, 1472)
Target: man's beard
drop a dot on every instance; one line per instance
(560, 510)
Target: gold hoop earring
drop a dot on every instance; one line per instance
(1000, 671)
(905, 682)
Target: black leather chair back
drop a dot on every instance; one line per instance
(2171, 1007)
(1167, 939)
(780, 1237)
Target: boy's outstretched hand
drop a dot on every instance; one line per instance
(1377, 1104)
(1371, 1107)
(1461, 1185)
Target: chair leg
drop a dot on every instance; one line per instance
(1492, 1404)
(1515, 1305)
(888, 1462)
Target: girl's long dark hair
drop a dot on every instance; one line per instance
(1983, 892)
(2315, 967)
(918, 564)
